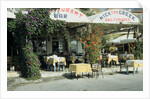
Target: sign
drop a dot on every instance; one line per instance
(69, 15)
(115, 16)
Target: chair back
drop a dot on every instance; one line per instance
(96, 66)
(9, 60)
(104, 56)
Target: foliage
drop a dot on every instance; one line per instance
(87, 11)
(32, 62)
(36, 22)
(93, 43)
(137, 49)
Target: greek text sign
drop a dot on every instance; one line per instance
(115, 16)
(68, 15)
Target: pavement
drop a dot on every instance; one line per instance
(113, 80)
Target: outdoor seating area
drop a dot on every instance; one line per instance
(124, 61)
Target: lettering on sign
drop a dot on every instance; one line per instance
(122, 13)
(66, 10)
(60, 15)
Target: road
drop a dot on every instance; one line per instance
(113, 82)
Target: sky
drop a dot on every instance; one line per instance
(132, 9)
(102, 8)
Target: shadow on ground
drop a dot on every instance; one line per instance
(71, 77)
(124, 72)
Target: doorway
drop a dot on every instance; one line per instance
(55, 45)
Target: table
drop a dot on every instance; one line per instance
(135, 64)
(80, 68)
(53, 60)
(112, 57)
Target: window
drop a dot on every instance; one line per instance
(58, 45)
(39, 45)
(73, 46)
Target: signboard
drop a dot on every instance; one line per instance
(115, 16)
(69, 15)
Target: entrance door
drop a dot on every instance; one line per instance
(55, 45)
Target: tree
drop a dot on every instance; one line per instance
(93, 43)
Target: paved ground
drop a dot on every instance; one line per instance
(110, 82)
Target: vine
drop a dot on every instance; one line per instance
(36, 22)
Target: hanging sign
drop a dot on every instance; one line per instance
(68, 15)
(115, 16)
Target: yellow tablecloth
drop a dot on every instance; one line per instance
(80, 68)
(134, 63)
(112, 57)
(50, 60)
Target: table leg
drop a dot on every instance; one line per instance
(103, 63)
(77, 77)
(63, 68)
(127, 70)
(47, 67)
(133, 72)
(71, 74)
(88, 75)
(82, 75)
(114, 63)
(120, 66)
(124, 62)
(110, 63)
(137, 70)
(55, 67)
(58, 67)
(50, 67)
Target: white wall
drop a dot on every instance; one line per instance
(49, 45)
(79, 47)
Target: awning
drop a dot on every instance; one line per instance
(69, 15)
(10, 15)
(123, 39)
(115, 16)
(128, 41)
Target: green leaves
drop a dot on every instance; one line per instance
(36, 22)
(138, 51)
(93, 42)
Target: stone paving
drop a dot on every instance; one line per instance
(14, 82)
